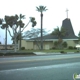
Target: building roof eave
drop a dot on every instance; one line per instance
(51, 39)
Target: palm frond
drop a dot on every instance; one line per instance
(1, 21)
(22, 16)
(41, 8)
(45, 8)
(4, 26)
(59, 32)
(16, 16)
(37, 9)
(20, 23)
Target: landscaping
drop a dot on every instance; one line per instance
(31, 52)
(51, 50)
(12, 53)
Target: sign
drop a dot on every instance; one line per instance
(76, 76)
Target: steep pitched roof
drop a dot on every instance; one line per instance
(66, 23)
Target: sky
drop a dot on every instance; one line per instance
(52, 18)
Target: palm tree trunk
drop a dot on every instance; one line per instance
(6, 39)
(15, 46)
(41, 31)
(20, 39)
(20, 36)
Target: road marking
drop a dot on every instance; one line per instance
(13, 61)
(65, 65)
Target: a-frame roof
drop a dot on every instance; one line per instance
(69, 32)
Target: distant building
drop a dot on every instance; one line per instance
(9, 46)
(49, 39)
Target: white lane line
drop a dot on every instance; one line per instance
(66, 65)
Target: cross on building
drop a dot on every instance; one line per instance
(67, 12)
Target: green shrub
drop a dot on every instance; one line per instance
(77, 51)
(70, 47)
(53, 48)
(63, 52)
(16, 53)
(75, 48)
(22, 48)
(56, 43)
(64, 44)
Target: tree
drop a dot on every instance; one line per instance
(4, 25)
(0, 43)
(21, 25)
(11, 21)
(1, 22)
(41, 9)
(56, 44)
(15, 23)
(79, 36)
(34, 33)
(59, 33)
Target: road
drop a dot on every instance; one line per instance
(51, 67)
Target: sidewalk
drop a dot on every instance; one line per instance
(40, 54)
(45, 53)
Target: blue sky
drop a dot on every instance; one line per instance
(52, 17)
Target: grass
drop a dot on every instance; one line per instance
(51, 51)
(11, 53)
(31, 52)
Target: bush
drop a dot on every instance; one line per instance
(64, 44)
(70, 47)
(63, 52)
(22, 48)
(77, 51)
(53, 48)
(16, 53)
(75, 48)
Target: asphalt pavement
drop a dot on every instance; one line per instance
(47, 67)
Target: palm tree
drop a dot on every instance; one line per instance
(79, 36)
(21, 24)
(59, 33)
(10, 21)
(1, 21)
(41, 9)
(5, 26)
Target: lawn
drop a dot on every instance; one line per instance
(31, 52)
(51, 51)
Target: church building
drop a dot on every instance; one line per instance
(48, 40)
